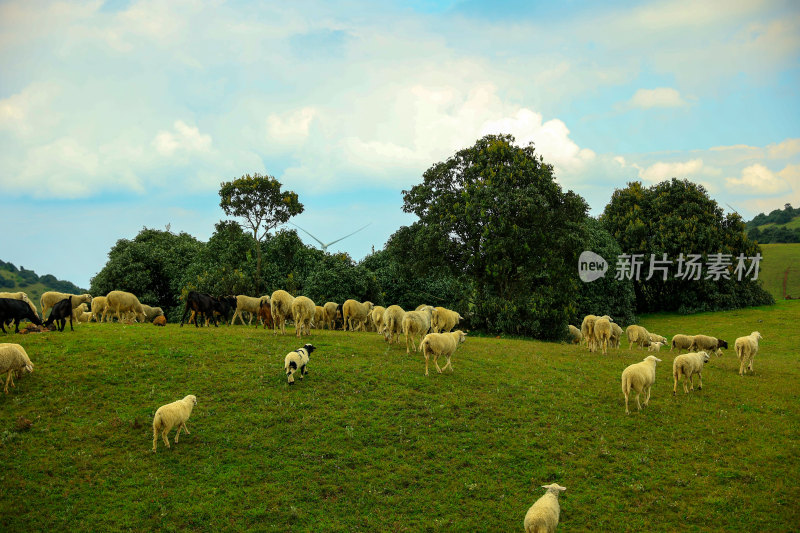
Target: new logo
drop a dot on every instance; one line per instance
(591, 266)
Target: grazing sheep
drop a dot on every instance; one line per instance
(542, 517)
(297, 361)
(99, 304)
(122, 302)
(746, 349)
(682, 342)
(587, 330)
(150, 313)
(708, 344)
(376, 317)
(616, 335)
(303, 313)
(61, 311)
(51, 298)
(319, 317)
(417, 324)
(281, 307)
(13, 357)
(393, 322)
(355, 313)
(657, 338)
(16, 310)
(639, 377)
(444, 320)
(602, 333)
(265, 314)
(575, 334)
(687, 365)
(160, 321)
(637, 335)
(248, 304)
(78, 311)
(171, 415)
(20, 296)
(441, 344)
(655, 346)
(330, 314)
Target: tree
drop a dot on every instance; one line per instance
(262, 204)
(677, 217)
(494, 214)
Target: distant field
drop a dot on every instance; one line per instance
(792, 224)
(368, 443)
(777, 257)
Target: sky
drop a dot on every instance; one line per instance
(120, 115)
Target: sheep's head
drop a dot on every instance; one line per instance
(721, 344)
(29, 366)
(193, 399)
(309, 348)
(706, 357)
(461, 335)
(554, 487)
(652, 358)
(757, 335)
(718, 352)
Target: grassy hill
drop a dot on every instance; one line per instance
(368, 443)
(13, 279)
(776, 259)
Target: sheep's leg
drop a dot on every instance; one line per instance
(639, 405)
(164, 436)
(155, 439)
(627, 412)
(751, 365)
(647, 399)
(700, 377)
(7, 380)
(302, 371)
(180, 426)
(426, 362)
(448, 364)
(436, 362)
(675, 385)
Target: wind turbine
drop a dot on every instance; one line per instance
(322, 244)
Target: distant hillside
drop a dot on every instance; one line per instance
(777, 259)
(13, 279)
(780, 226)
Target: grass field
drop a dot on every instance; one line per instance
(778, 257)
(368, 443)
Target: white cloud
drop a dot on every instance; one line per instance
(29, 112)
(661, 170)
(292, 127)
(660, 97)
(183, 138)
(785, 149)
(758, 179)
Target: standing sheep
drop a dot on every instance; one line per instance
(602, 333)
(416, 324)
(248, 304)
(20, 296)
(639, 377)
(355, 313)
(377, 317)
(637, 335)
(297, 361)
(13, 357)
(171, 415)
(444, 320)
(330, 314)
(746, 349)
(543, 515)
(616, 335)
(587, 330)
(686, 366)
(575, 334)
(122, 302)
(319, 316)
(51, 298)
(655, 346)
(150, 313)
(441, 344)
(99, 304)
(682, 342)
(281, 302)
(303, 313)
(393, 322)
(708, 344)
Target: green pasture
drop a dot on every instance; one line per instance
(368, 443)
(776, 259)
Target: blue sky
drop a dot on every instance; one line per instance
(125, 114)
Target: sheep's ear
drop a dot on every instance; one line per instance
(29, 367)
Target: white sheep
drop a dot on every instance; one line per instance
(657, 338)
(377, 317)
(639, 377)
(655, 346)
(13, 357)
(444, 320)
(393, 322)
(637, 335)
(330, 314)
(51, 298)
(602, 332)
(297, 361)
(248, 304)
(20, 296)
(441, 344)
(543, 515)
(616, 335)
(150, 313)
(686, 366)
(303, 309)
(587, 330)
(99, 304)
(416, 324)
(171, 415)
(575, 334)
(746, 349)
(281, 307)
(708, 344)
(319, 317)
(77, 312)
(121, 303)
(682, 342)
(355, 313)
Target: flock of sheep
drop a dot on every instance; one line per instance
(431, 326)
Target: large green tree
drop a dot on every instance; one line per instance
(677, 217)
(262, 204)
(495, 215)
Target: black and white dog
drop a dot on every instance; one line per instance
(296, 361)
